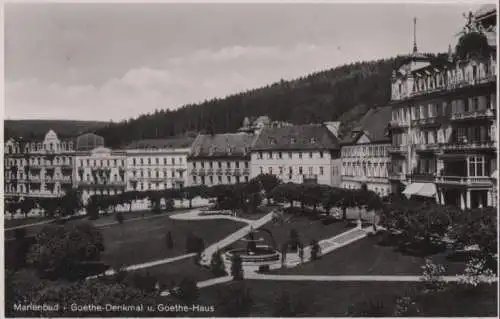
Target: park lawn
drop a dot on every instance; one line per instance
(326, 299)
(145, 240)
(366, 257)
(8, 223)
(176, 271)
(307, 229)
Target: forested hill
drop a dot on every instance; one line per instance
(38, 128)
(318, 97)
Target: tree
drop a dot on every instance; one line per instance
(70, 203)
(119, 217)
(26, 205)
(315, 250)
(267, 182)
(192, 192)
(169, 240)
(236, 267)
(217, 264)
(58, 250)
(294, 240)
(49, 205)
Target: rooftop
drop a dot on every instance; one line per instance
(296, 137)
(163, 143)
(222, 145)
(373, 124)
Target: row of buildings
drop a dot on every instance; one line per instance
(437, 138)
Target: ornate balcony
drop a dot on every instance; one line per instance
(473, 145)
(194, 171)
(397, 176)
(246, 171)
(210, 171)
(398, 123)
(426, 147)
(237, 172)
(429, 121)
(219, 171)
(400, 149)
(480, 114)
(202, 172)
(229, 171)
(465, 180)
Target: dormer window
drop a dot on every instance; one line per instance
(272, 141)
(292, 140)
(313, 140)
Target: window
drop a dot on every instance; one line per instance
(292, 140)
(300, 170)
(310, 170)
(194, 164)
(149, 161)
(321, 170)
(229, 179)
(246, 179)
(270, 155)
(281, 170)
(290, 171)
(142, 161)
(270, 170)
(219, 164)
(290, 155)
(300, 155)
(321, 154)
(220, 179)
(173, 161)
(237, 164)
(261, 170)
(194, 180)
(157, 161)
(280, 155)
(211, 164)
(310, 155)
(476, 166)
(165, 161)
(202, 164)
(211, 179)
(260, 155)
(246, 164)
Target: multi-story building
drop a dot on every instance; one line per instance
(220, 159)
(156, 164)
(38, 168)
(98, 170)
(444, 141)
(298, 153)
(365, 157)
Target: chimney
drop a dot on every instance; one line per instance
(333, 127)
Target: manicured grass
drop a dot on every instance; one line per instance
(307, 229)
(177, 271)
(145, 240)
(325, 299)
(366, 257)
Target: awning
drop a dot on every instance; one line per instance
(420, 189)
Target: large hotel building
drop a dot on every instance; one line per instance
(443, 127)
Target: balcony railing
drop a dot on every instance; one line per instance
(194, 171)
(464, 180)
(426, 147)
(437, 120)
(210, 171)
(397, 176)
(487, 113)
(398, 123)
(474, 145)
(429, 177)
(201, 172)
(218, 171)
(246, 171)
(236, 172)
(397, 149)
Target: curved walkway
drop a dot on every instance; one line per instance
(195, 214)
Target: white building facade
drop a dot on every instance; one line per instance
(297, 154)
(157, 164)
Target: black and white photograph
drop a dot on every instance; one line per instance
(250, 159)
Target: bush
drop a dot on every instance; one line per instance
(236, 267)
(476, 272)
(217, 264)
(432, 275)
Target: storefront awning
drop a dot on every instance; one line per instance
(420, 189)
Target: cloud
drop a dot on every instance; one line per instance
(191, 78)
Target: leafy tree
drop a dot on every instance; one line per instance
(26, 205)
(236, 267)
(58, 250)
(169, 240)
(217, 264)
(119, 217)
(294, 240)
(315, 250)
(70, 203)
(267, 182)
(193, 191)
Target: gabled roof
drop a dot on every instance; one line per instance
(164, 143)
(373, 124)
(296, 137)
(222, 145)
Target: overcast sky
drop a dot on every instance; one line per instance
(117, 61)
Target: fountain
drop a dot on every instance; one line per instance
(255, 253)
